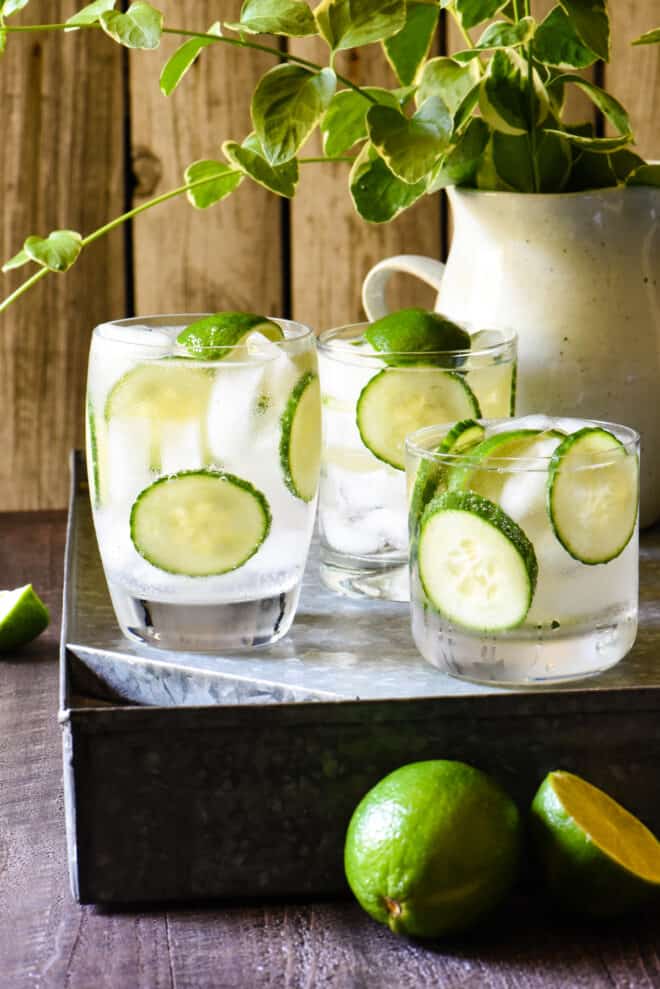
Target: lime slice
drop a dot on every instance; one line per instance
(215, 337)
(496, 454)
(23, 616)
(199, 523)
(300, 443)
(598, 859)
(432, 848)
(593, 493)
(415, 332)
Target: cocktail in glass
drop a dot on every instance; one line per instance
(203, 465)
(524, 547)
(371, 401)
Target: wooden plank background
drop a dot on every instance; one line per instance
(87, 133)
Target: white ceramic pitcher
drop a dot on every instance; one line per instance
(577, 276)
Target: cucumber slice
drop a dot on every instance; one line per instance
(199, 523)
(216, 337)
(162, 390)
(593, 505)
(300, 442)
(497, 451)
(94, 473)
(476, 565)
(431, 475)
(394, 403)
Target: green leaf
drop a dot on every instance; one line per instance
(447, 79)
(592, 23)
(140, 27)
(649, 38)
(513, 162)
(557, 43)
(460, 165)
(473, 12)
(411, 146)
(591, 171)
(624, 162)
(599, 145)
(407, 50)
(377, 194)
(178, 64)
(645, 175)
(17, 261)
(248, 157)
(220, 181)
(501, 34)
(3, 41)
(10, 7)
(57, 251)
(287, 104)
(504, 95)
(345, 120)
(91, 13)
(352, 23)
(292, 18)
(609, 107)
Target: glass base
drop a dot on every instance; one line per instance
(357, 577)
(207, 628)
(524, 661)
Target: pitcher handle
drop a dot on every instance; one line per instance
(373, 289)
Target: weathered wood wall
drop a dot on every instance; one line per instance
(87, 133)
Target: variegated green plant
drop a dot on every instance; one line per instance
(488, 116)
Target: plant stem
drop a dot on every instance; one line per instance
(106, 228)
(217, 39)
(32, 280)
(468, 40)
(270, 50)
(314, 161)
(532, 119)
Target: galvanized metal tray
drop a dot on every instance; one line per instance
(190, 776)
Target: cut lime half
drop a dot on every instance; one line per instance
(23, 616)
(597, 857)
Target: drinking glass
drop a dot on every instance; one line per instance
(524, 548)
(203, 479)
(371, 400)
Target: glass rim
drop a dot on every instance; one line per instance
(627, 436)
(510, 338)
(157, 321)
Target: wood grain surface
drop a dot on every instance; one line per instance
(633, 74)
(49, 942)
(332, 248)
(61, 165)
(231, 255)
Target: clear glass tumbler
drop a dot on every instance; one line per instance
(371, 401)
(203, 479)
(524, 548)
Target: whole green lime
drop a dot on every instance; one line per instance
(597, 858)
(432, 847)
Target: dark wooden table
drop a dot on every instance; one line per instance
(47, 940)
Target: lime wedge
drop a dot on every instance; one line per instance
(598, 859)
(404, 337)
(215, 337)
(23, 616)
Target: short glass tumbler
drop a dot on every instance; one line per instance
(203, 476)
(524, 548)
(371, 401)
